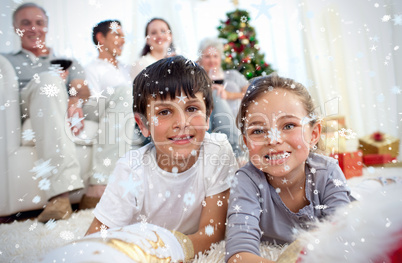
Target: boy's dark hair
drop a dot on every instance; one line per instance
(102, 27)
(170, 77)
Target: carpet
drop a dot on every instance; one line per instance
(30, 240)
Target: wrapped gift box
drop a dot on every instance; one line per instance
(379, 143)
(375, 159)
(351, 163)
(331, 143)
(333, 124)
(331, 140)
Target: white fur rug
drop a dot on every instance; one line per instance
(28, 241)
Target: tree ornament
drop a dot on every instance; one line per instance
(245, 41)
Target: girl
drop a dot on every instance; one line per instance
(284, 186)
(159, 44)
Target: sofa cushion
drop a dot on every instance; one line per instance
(86, 137)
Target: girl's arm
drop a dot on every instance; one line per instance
(212, 222)
(95, 227)
(243, 232)
(247, 257)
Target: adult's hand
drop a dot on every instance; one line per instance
(221, 92)
(75, 116)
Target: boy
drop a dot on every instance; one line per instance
(180, 180)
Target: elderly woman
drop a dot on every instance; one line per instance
(231, 84)
(223, 116)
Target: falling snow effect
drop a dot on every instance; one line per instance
(321, 207)
(103, 231)
(232, 181)
(42, 169)
(101, 178)
(44, 184)
(114, 26)
(181, 98)
(189, 198)
(347, 133)
(36, 199)
(50, 90)
(19, 32)
(237, 208)
(107, 162)
(76, 121)
(28, 135)
(131, 186)
(155, 120)
(51, 224)
(274, 134)
(97, 95)
(72, 92)
(338, 182)
(36, 78)
(67, 235)
(33, 226)
(109, 90)
(209, 230)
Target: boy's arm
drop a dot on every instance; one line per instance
(212, 222)
(95, 227)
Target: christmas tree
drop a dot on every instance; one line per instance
(241, 50)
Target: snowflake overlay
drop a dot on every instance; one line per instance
(50, 90)
(114, 26)
(28, 135)
(103, 231)
(274, 134)
(209, 230)
(67, 235)
(338, 182)
(189, 198)
(42, 169)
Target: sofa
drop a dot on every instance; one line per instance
(19, 190)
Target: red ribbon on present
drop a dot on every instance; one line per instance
(378, 136)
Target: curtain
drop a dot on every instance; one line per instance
(353, 56)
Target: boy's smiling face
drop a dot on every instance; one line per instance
(177, 128)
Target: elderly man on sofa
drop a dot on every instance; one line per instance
(44, 98)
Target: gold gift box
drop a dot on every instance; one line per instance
(331, 143)
(333, 124)
(388, 144)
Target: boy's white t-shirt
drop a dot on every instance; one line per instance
(140, 191)
(102, 75)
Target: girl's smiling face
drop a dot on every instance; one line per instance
(159, 36)
(278, 133)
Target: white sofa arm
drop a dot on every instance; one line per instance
(10, 118)
(10, 128)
